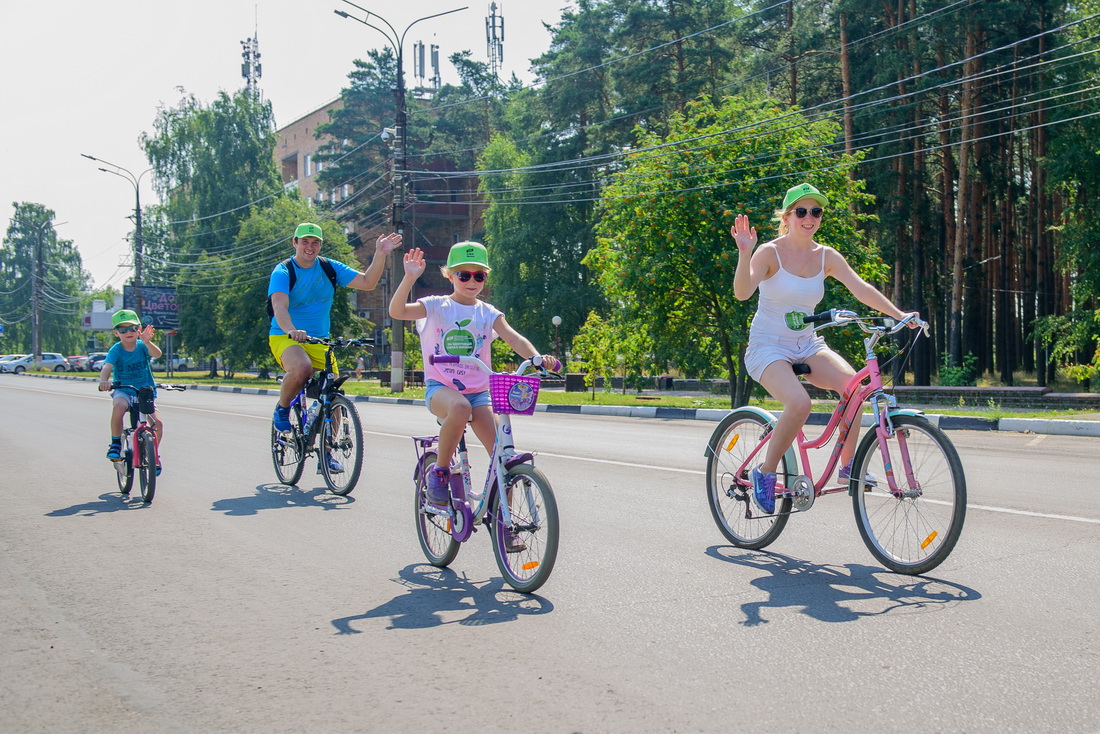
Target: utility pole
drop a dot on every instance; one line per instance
(397, 43)
(36, 298)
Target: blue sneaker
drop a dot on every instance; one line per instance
(439, 486)
(845, 475)
(281, 419)
(763, 490)
(114, 451)
(334, 466)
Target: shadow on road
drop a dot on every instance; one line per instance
(438, 596)
(272, 496)
(108, 502)
(838, 594)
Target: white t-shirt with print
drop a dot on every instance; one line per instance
(455, 329)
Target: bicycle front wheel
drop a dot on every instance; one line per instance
(147, 472)
(527, 548)
(432, 530)
(729, 486)
(288, 449)
(342, 439)
(124, 469)
(915, 530)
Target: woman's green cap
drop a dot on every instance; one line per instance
(306, 229)
(468, 253)
(804, 191)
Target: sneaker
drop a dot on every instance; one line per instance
(158, 468)
(763, 490)
(334, 466)
(439, 486)
(513, 543)
(281, 418)
(845, 475)
(114, 451)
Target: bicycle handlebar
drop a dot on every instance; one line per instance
(159, 385)
(359, 341)
(454, 359)
(840, 317)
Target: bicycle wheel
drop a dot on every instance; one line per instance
(914, 532)
(432, 530)
(729, 487)
(342, 437)
(124, 468)
(526, 549)
(147, 471)
(287, 449)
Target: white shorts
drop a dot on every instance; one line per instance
(764, 349)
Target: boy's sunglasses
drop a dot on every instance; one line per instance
(465, 275)
(802, 211)
(126, 329)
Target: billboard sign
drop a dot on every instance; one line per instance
(158, 305)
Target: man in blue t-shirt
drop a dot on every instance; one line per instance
(304, 310)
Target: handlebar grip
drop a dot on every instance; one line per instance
(443, 358)
(819, 318)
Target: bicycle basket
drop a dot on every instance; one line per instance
(513, 393)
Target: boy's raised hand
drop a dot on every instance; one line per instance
(414, 262)
(145, 333)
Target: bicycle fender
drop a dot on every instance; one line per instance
(904, 411)
(790, 456)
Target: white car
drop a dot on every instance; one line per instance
(179, 364)
(50, 361)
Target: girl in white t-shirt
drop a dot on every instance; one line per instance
(459, 324)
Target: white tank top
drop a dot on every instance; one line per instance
(784, 299)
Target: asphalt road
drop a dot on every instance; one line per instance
(233, 603)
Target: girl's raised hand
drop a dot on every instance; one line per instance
(743, 234)
(414, 262)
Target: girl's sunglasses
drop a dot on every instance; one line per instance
(465, 275)
(126, 329)
(802, 211)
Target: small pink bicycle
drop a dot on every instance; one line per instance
(907, 483)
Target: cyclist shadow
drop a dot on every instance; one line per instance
(838, 594)
(438, 596)
(108, 502)
(274, 496)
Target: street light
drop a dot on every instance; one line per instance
(556, 321)
(135, 181)
(397, 43)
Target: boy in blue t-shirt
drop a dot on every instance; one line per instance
(129, 358)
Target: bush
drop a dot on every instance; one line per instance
(952, 375)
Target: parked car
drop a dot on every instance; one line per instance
(179, 364)
(95, 361)
(50, 361)
(77, 362)
(8, 359)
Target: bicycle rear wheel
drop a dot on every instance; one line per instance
(728, 485)
(342, 439)
(526, 549)
(147, 471)
(916, 531)
(288, 449)
(124, 468)
(432, 530)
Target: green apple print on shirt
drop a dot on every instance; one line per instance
(459, 341)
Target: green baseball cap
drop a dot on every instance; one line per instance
(124, 316)
(468, 253)
(307, 229)
(804, 191)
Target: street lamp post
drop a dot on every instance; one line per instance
(556, 321)
(400, 150)
(135, 181)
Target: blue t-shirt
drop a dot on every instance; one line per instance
(311, 297)
(130, 368)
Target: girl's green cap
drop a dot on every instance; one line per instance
(468, 253)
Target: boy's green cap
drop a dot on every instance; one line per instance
(124, 316)
(307, 229)
(803, 191)
(468, 253)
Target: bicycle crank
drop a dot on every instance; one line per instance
(801, 492)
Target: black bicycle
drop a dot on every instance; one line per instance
(331, 417)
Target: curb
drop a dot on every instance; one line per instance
(945, 422)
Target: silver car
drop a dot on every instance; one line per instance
(50, 361)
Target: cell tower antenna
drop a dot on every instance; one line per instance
(494, 38)
(251, 68)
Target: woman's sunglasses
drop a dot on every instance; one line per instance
(465, 275)
(126, 329)
(802, 211)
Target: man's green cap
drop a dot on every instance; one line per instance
(124, 316)
(306, 229)
(468, 253)
(803, 191)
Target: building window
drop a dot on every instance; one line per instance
(309, 165)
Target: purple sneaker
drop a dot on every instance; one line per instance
(763, 490)
(439, 486)
(844, 476)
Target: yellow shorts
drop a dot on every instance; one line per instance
(279, 343)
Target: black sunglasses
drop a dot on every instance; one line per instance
(802, 211)
(465, 275)
(126, 329)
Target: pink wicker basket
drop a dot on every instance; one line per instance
(513, 393)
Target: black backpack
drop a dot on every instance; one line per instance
(330, 271)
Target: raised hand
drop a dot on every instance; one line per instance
(387, 243)
(414, 263)
(743, 234)
(145, 333)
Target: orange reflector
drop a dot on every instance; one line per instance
(733, 442)
(929, 539)
(530, 565)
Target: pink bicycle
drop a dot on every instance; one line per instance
(907, 483)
